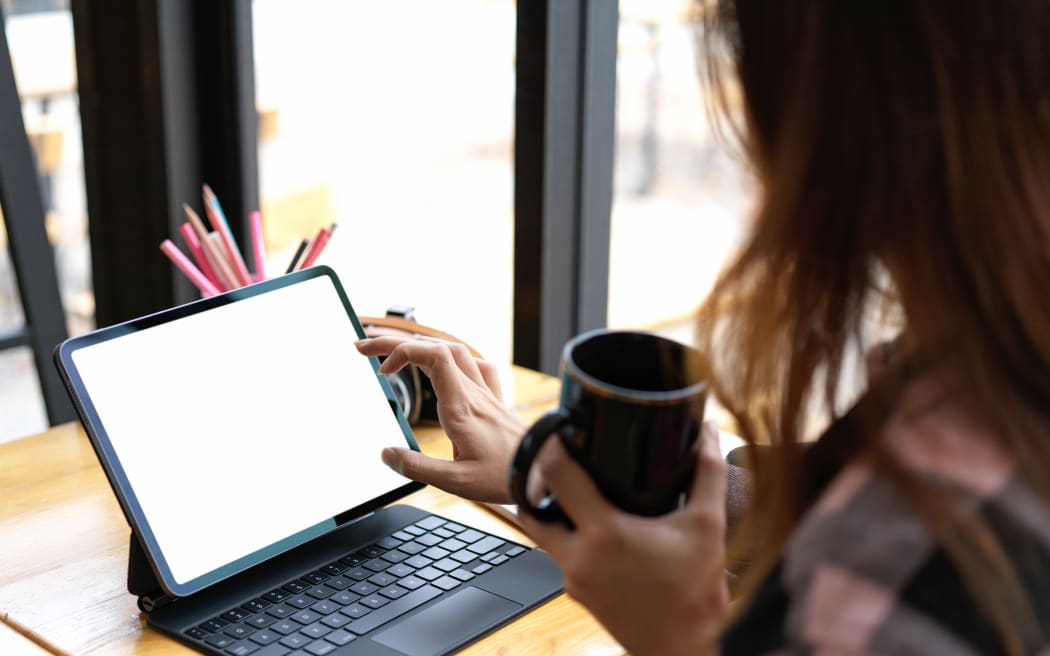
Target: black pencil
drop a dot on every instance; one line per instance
(298, 253)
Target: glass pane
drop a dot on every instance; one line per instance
(394, 119)
(40, 38)
(680, 198)
(20, 399)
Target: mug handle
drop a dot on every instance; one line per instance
(547, 425)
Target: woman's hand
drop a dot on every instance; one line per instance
(656, 583)
(484, 433)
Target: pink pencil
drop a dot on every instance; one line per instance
(194, 244)
(258, 248)
(183, 263)
(218, 221)
(315, 248)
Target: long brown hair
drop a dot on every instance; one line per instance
(896, 140)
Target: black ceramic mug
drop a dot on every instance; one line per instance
(631, 409)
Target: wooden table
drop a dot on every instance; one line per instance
(64, 543)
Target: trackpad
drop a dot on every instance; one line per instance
(447, 623)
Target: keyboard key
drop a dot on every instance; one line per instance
(464, 555)
(414, 530)
(482, 568)
(462, 575)
(242, 648)
(261, 621)
(372, 551)
(352, 560)
(344, 598)
(447, 564)
(235, 615)
(336, 620)
(265, 637)
(490, 555)
(455, 528)
(295, 640)
(197, 632)
(428, 540)
(220, 640)
(276, 596)
(453, 545)
(429, 573)
(295, 587)
(306, 617)
(315, 630)
(435, 553)
(256, 605)
(470, 536)
(446, 583)
(339, 583)
(403, 536)
(394, 556)
(239, 631)
(316, 577)
(411, 582)
(486, 544)
(320, 648)
(282, 611)
(515, 551)
(334, 569)
(390, 543)
(325, 607)
(442, 533)
(364, 588)
(339, 638)
(320, 592)
(498, 560)
(377, 565)
(284, 627)
(412, 548)
(273, 650)
(418, 561)
(430, 523)
(358, 573)
(382, 580)
(357, 611)
(393, 592)
(301, 601)
(374, 601)
(398, 571)
(394, 609)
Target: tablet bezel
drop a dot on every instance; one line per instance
(118, 480)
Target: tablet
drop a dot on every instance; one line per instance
(237, 427)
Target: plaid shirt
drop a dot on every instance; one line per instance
(863, 575)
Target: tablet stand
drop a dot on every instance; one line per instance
(141, 581)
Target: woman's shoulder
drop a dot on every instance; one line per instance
(863, 573)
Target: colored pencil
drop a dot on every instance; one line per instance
(194, 244)
(217, 258)
(258, 247)
(213, 209)
(298, 254)
(183, 263)
(317, 246)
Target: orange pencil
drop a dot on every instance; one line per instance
(218, 221)
(214, 252)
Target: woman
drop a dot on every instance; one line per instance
(903, 152)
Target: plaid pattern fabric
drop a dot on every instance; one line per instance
(862, 575)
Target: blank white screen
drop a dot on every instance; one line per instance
(242, 425)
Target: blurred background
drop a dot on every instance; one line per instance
(396, 120)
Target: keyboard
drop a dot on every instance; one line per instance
(327, 608)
